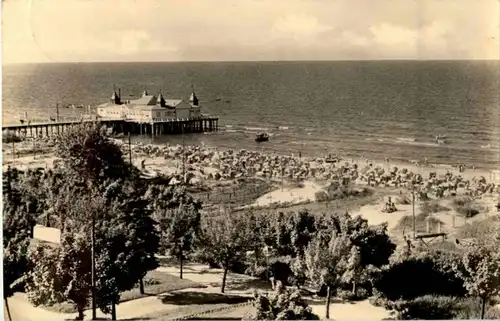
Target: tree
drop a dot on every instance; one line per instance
(373, 242)
(88, 152)
(178, 217)
(397, 280)
(282, 305)
(354, 271)
(480, 271)
(14, 205)
(15, 265)
(142, 238)
(17, 228)
(225, 240)
(43, 285)
(74, 269)
(326, 261)
(112, 274)
(299, 270)
(293, 232)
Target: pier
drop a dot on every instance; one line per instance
(156, 127)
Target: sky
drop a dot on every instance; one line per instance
(248, 30)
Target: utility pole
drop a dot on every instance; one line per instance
(34, 148)
(183, 158)
(413, 210)
(57, 112)
(282, 174)
(94, 310)
(129, 149)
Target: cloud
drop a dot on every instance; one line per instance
(299, 27)
(109, 30)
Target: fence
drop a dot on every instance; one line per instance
(236, 196)
(210, 311)
(15, 150)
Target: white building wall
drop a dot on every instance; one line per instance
(183, 110)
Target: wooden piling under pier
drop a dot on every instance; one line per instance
(154, 127)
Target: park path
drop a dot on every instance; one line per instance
(241, 285)
(22, 310)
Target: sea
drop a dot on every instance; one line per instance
(371, 109)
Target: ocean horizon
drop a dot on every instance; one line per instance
(374, 109)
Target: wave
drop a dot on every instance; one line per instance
(230, 131)
(424, 144)
(229, 126)
(405, 139)
(283, 127)
(258, 129)
(486, 146)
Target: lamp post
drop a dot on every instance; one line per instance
(94, 310)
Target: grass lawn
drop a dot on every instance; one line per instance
(192, 302)
(242, 192)
(155, 283)
(233, 314)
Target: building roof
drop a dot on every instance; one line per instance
(144, 100)
(173, 102)
(150, 102)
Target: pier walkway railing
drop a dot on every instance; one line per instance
(74, 120)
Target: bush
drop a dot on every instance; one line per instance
(281, 271)
(362, 294)
(257, 271)
(432, 207)
(335, 191)
(406, 223)
(427, 308)
(281, 305)
(403, 200)
(478, 228)
(346, 295)
(431, 307)
(470, 308)
(378, 301)
(466, 206)
(9, 137)
(418, 275)
(462, 201)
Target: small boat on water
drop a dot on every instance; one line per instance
(262, 137)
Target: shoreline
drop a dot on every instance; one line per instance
(281, 147)
(270, 149)
(424, 170)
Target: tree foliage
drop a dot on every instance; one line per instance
(373, 242)
(43, 285)
(73, 267)
(225, 240)
(88, 152)
(326, 260)
(480, 272)
(178, 219)
(292, 232)
(423, 272)
(94, 184)
(283, 304)
(17, 228)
